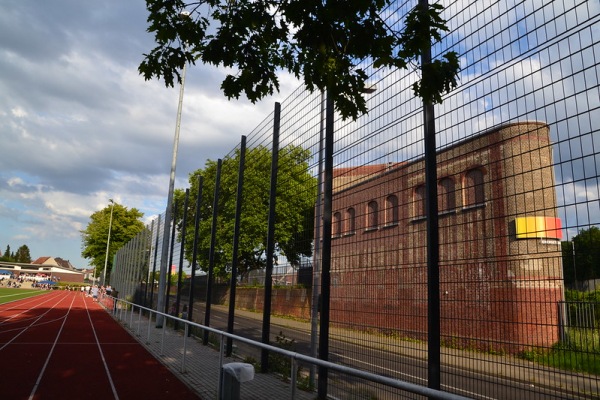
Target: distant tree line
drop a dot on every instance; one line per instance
(296, 194)
(22, 255)
(581, 257)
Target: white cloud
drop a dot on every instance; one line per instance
(18, 112)
(80, 125)
(15, 181)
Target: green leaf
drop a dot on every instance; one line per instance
(319, 42)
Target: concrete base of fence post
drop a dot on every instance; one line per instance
(234, 374)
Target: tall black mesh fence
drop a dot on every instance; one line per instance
(518, 161)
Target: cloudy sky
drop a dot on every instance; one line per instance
(79, 125)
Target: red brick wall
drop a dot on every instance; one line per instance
(287, 302)
(497, 292)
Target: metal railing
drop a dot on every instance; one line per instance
(127, 312)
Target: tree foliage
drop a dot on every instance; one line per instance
(321, 42)
(296, 195)
(126, 224)
(585, 264)
(22, 255)
(6, 256)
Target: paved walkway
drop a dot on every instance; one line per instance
(505, 367)
(200, 367)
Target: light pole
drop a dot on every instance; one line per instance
(108, 241)
(162, 279)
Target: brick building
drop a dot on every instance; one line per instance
(53, 268)
(500, 255)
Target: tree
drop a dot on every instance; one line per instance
(7, 255)
(584, 264)
(126, 224)
(23, 255)
(323, 42)
(296, 195)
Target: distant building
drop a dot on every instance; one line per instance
(54, 268)
(500, 255)
(56, 262)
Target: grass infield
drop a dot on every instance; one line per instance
(12, 294)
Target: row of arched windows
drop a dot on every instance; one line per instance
(473, 194)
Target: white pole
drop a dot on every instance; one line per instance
(164, 259)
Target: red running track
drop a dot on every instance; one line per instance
(63, 345)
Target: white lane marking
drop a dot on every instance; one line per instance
(39, 379)
(33, 324)
(24, 302)
(112, 384)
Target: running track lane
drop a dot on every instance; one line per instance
(63, 345)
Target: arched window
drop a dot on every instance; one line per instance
(419, 201)
(350, 217)
(372, 215)
(337, 224)
(391, 209)
(446, 197)
(473, 184)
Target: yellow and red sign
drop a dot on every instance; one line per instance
(538, 227)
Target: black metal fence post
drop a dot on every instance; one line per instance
(236, 234)
(433, 251)
(182, 251)
(154, 262)
(326, 247)
(195, 249)
(171, 247)
(316, 268)
(148, 276)
(211, 254)
(266, 327)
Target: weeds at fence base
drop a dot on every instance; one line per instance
(567, 356)
(303, 382)
(572, 361)
(467, 344)
(281, 364)
(357, 392)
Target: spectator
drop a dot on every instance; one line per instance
(95, 292)
(184, 312)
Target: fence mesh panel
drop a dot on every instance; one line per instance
(518, 161)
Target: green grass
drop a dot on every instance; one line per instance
(579, 353)
(12, 294)
(570, 360)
